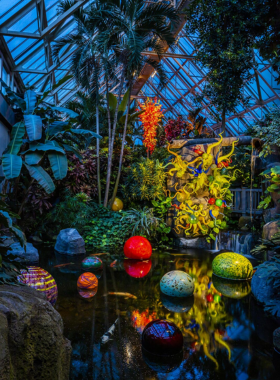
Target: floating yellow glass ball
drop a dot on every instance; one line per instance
(117, 205)
(232, 266)
(230, 288)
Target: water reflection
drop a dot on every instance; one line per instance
(220, 339)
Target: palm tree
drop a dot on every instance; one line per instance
(136, 27)
(112, 36)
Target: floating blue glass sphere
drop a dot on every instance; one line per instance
(92, 262)
(177, 284)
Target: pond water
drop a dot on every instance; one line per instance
(226, 334)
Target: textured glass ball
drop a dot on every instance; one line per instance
(211, 201)
(40, 280)
(92, 262)
(87, 280)
(177, 284)
(162, 337)
(177, 304)
(231, 288)
(219, 202)
(213, 166)
(137, 268)
(87, 293)
(181, 197)
(137, 247)
(117, 205)
(232, 266)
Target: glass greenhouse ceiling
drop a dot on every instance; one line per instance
(29, 27)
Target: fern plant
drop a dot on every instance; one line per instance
(143, 221)
(145, 180)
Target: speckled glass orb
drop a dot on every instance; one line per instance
(92, 262)
(177, 284)
(137, 247)
(87, 293)
(232, 266)
(40, 280)
(177, 304)
(87, 280)
(231, 288)
(162, 337)
(137, 268)
(219, 202)
(117, 205)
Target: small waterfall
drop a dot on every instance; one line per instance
(234, 241)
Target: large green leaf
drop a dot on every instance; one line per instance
(123, 105)
(85, 132)
(38, 173)
(34, 125)
(33, 158)
(30, 98)
(112, 102)
(13, 96)
(70, 113)
(58, 126)
(6, 221)
(18, 132)
(69, 148)
(58, 163)
(48, 146)
(11, 164)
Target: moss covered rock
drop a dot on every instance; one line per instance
(232, 266)
(32, 345)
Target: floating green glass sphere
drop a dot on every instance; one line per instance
(193, 219)
(92, 262)
(217, 298)
(232, 266)
(231, 288)
(219, 202)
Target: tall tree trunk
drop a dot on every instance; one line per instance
(97, 152)
(224, 122)
(111, 146)
(122, 149)
(108, 110)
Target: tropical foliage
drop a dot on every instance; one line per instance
(145, 180)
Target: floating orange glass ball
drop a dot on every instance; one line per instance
(137, 247)
(40, 280)
(117, 205)
(137, 268)
(87, 280)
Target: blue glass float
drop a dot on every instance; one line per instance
(177, 284)
(92, 262)
(177, 304)
(161, 337)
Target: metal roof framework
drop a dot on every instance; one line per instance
(28, 28)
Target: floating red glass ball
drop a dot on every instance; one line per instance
(211, 201)
(137, 247)
(209, 298)
(162, 337)
(137, 268)
(41, 280)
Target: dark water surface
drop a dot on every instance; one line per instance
(225, 338)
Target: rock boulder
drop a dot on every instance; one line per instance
(30, 256)
(70, 242)
(269, 229)
(32, 345)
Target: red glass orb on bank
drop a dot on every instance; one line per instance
(137, 247)
(162, 337)
(137, 268)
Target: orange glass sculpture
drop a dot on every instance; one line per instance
(150, 119)
(87, 280)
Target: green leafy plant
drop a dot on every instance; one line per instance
(143, 221)
(145, 180)
(106, 230)
(268, 130)
(273, 174)
(162, 205)
(273, 245)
